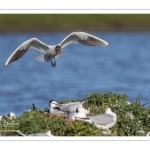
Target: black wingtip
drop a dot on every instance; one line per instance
(108, 45)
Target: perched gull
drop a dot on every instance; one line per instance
(103, 121)
(71, 107)
(11, 115)
(80, 112)
(51, 52)
(53, 108)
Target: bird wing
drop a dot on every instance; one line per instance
(83, 38)
(72, 107)
(24, 47)
(69, 106)
(102, 119)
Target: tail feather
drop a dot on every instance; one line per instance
(40, 58)
(44, 58)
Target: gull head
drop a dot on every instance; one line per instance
(85, 105)
(58, 50)
(53, 103)
(108, 111)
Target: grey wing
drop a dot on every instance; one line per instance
(24, 47)
(83, 38)
(72, 107)
(102, 119)
(70, 104)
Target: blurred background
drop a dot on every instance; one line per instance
(124, 67)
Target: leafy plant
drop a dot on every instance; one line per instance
(133, 118)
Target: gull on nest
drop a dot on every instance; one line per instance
(72, 106)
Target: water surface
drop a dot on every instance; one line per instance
(124, 66)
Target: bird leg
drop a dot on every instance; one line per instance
(53, 64)
(107, 131)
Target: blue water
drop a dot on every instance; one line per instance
(124, 66)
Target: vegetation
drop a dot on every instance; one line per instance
(73, 22)
(133, 119)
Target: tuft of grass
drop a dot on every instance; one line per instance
(133, 118)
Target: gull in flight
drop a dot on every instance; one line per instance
(51, 52)
(104, 121)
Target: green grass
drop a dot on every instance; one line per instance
(133, 118)
(73, 22)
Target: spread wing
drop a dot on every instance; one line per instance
(83, 38)
(24, 47)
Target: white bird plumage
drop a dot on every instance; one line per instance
(51, 52)
(80, 112)
(52, 107)
(104, 121)
(72, 106)
(11, 115)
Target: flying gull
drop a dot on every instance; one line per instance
(51, 52)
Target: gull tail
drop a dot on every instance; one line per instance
(40, 58)
(44, 58)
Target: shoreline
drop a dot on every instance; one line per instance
(12, 23)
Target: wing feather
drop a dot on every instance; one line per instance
(102, 119)
(24, 47)
(83, 38)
